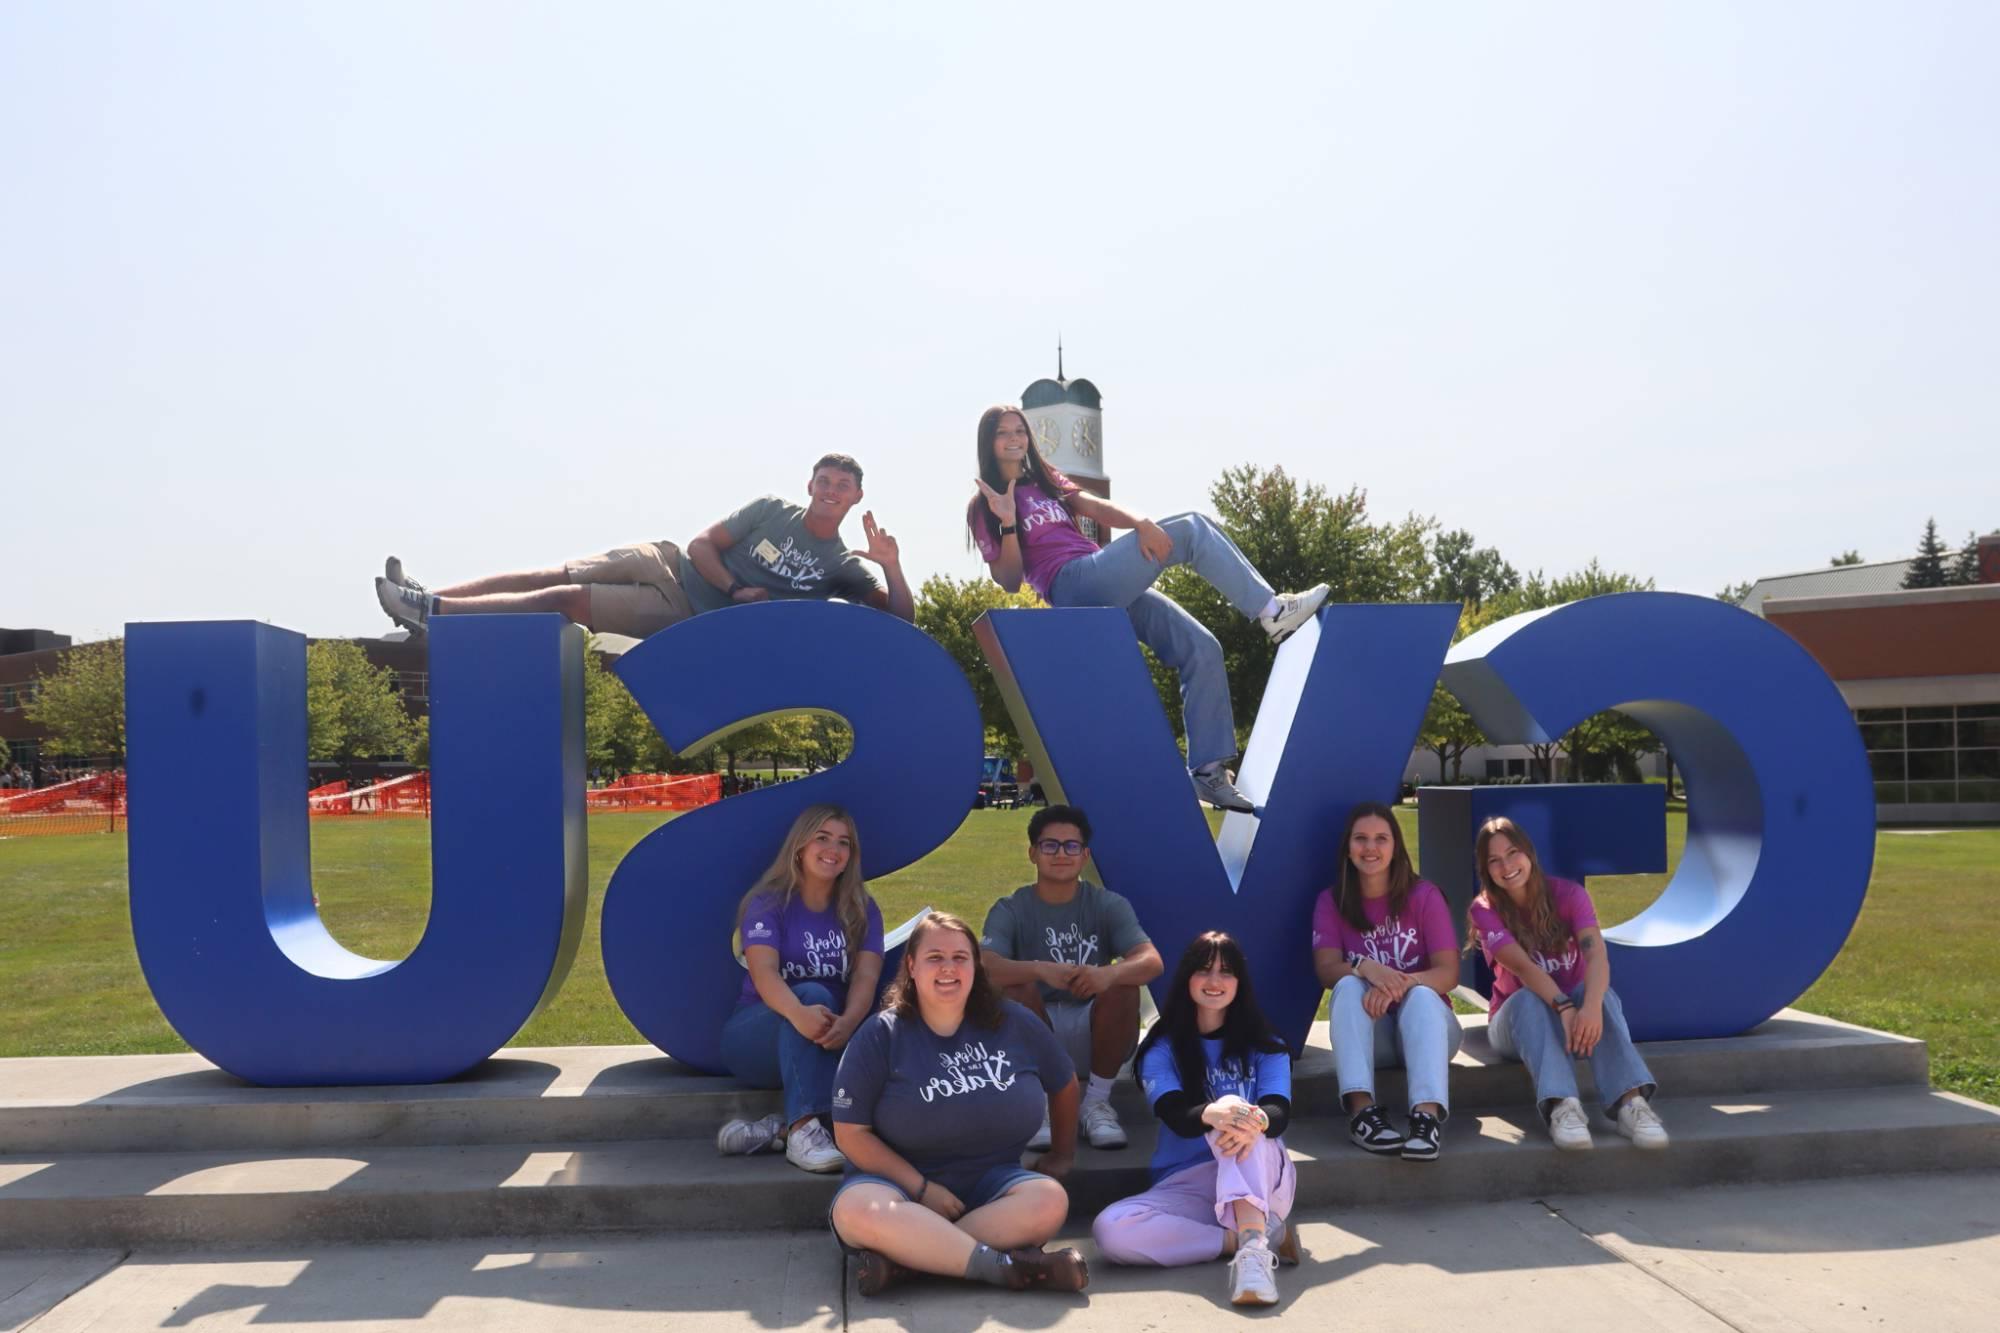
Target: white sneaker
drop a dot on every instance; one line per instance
(1100, 1125)
(1215, 787)
(1638, 1122)
(1568, 1126)
(1252, 1279)
(810, 1148)
(406, 606)
(748, 1136)
(1044, 1136)
(1294, 610)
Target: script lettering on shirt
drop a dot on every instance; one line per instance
(1231, 1078)
(1393, 944)
(1070, 945)
(970, 1069)
(1039, 511)
(826, 955)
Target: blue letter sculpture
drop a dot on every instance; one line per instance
(1343, 706)
(1781, 808)
(671, 903)
(222, 907)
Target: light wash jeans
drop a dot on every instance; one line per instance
(1120, 575)
(1420, 1033)
(761, 1048)
(1527, 1030)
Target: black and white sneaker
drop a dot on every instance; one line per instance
(1425, 1131)
(1371, 1131)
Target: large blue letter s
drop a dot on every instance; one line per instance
(671, 903)
(1781, 809)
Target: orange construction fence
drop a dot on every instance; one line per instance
(657, 791)
(407, 795)
(93, 804)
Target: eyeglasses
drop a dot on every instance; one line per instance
(1049, 847)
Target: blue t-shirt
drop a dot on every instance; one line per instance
(1266, 1074)
(957, 1106)
(812, 946)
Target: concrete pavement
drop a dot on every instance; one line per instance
(1882, 1252)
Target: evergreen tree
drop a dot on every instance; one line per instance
(1965, 566)
(1928, 569)
(1845, 558)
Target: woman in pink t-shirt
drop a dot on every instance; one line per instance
(1382, 939)
(1024, 521)
(1552, 996)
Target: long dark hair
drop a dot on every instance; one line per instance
(1347, 889)
(1536, 924)
(1244, 1027)
(1051, 482)
(982, 997)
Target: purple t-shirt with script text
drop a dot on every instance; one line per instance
(1565, 967)
(954, 1106)
(1404, 942)
(1048, 536)
(812, 946)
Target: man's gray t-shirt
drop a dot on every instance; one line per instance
(774, 550)
(1093, 927)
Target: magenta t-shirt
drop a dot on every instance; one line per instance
(1566, 968)
(1048, 536)
(812, 946)
(1404, 942)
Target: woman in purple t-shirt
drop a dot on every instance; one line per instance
(1024, 521)
(1552, 996)
(1382, 939)
(812, 947)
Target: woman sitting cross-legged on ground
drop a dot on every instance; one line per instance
(1383, 940)
(1024, 521)
(934, 1104)
(812, 942)
(1221, 1083)
(1552, 996)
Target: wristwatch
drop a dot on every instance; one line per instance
(1008, 529)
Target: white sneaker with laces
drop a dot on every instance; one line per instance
(1100, 1126)
(810, 1148)
(1044, 1137)
(1568, 1126)
(406, 606)
(1252, 1279)
(748, 1136)
(1638, 1122)
(1294, 610)
(1215, 787)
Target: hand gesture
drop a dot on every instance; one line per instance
(942, 1202)
(1585, 1026)
(1000, 502)
(881, 548)
(837, 1033)
(1154, 543)
(1089, 982)
(813, 1021)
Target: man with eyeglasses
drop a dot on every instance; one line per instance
(1074, 953)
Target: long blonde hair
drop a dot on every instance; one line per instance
(1536, 924)
(784, 879)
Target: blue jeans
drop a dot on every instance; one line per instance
(1420, 1032)
(764, 1050)
(1527, 1030)
(1121, 575)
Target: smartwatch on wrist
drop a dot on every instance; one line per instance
(1008, 529)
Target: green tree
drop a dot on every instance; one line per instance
(82, 702)
(947, 609)
(1928, 569)
(1845, 558)
(1468, 574)
(1964, 569)
(1298, 534)
(353, 708)
(1735, 593)
(1448, 732)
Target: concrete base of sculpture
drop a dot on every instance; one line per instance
(165, 1150)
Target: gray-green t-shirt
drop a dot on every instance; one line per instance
(1094, 927)
(773, 549)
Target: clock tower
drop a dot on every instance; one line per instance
(1067, 417)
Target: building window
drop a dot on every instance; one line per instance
(1934, 755)
(1495, 769)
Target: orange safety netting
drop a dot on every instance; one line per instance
(94, 804)
(407, 795)
(657, 791)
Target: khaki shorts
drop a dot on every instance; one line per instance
(634, 590)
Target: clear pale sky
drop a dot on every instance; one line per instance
(1706, 291)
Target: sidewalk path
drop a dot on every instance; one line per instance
(1873, 1253)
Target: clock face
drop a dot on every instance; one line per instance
(1046, 438)
(1083, 437)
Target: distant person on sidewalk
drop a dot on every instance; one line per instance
(769, 549)
(1383, 941)
(1024, 521)
(1552, 998)
(1220, 1082)
(1074, 954)
(933, 1106)
(812, 947)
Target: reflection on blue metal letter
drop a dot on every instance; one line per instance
(1781, 809)
(222, 908)
(909, 781)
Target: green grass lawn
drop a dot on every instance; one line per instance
(1924, 958)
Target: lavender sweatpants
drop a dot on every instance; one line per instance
(1184, 1218)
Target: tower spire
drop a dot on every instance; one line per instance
(1059, 369)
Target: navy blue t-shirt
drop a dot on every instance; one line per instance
(955, 1106)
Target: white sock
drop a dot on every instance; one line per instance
(1099, 1090)
(1270, 610)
